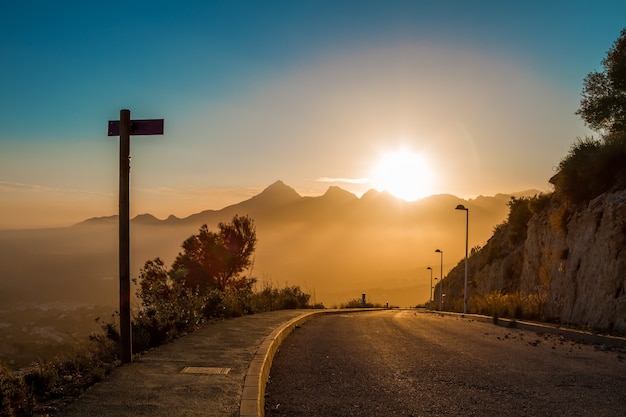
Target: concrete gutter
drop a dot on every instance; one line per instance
(583, 336)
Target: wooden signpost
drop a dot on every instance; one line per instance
(124, 128)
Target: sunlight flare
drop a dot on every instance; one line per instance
(404, 174)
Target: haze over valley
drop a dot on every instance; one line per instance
(335, 246)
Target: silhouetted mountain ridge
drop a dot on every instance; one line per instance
(280, 202)
(337, 195)
(336, 244)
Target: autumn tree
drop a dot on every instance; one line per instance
(603, 105)
(216, 260)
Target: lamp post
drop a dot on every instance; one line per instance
(462, 207)
(441, 276)
(439, 290)
(430, 300)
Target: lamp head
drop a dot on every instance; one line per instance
(438, 251)
(428, 267)
(461, 207)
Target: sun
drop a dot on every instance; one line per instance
(404, 174)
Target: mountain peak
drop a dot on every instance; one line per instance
(281, 190)
(276, 194)
(146, 218)
(374, 194)
(339, 194)
(99, 220)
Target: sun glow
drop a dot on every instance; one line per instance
(404, 174)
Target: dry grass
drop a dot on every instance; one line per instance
(514, 305)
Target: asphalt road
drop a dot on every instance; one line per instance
(406, 363)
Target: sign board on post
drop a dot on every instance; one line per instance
(138, 127)
(124, 128)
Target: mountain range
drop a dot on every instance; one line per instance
(336, 246)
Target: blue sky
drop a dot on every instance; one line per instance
(310, 92)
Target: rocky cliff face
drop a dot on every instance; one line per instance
(574, 259)
(580, 259)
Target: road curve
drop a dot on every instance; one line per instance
(405, 363)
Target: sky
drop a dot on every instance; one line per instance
(432, 97)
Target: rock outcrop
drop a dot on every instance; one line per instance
(580, 258)
(573, 258)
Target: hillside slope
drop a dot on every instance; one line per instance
(573, 260)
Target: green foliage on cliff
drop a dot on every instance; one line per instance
(592, 167)
(519, 215)
(595, 166)
(603, 105)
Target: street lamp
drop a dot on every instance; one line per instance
(441, 276)
(462, 207)
(430, 301)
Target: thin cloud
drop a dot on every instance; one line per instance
(345, 180)
(8, 187)
(201, 193)
(16, 187)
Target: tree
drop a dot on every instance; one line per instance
(215, 260)
(603, 105)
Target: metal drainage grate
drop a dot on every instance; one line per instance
(204, 370)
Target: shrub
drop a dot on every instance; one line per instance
(26, 393)
(514, 305)
(354, 303)
(15, 397)
(519, 215)
(592, 167)
(270, 298)
(292, 298)
(358, 303)
(539, 203)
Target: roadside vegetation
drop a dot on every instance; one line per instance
(209, 280)
(358, 303)
(592, 167)
(515, 305)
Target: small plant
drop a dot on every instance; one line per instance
(358, 303)
(515, 305)
(15, 397)
(27, 392)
